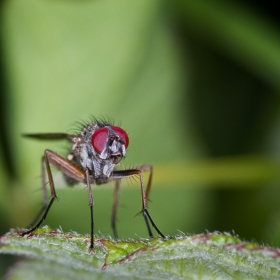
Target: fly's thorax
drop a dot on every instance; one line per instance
(88, 131)
(102, 168)
(108, 168)
(86, 156)
(90, 159)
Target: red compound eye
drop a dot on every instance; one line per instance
(122, 134)
(99, 138)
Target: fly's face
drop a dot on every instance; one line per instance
(110, 143)
(102, 148)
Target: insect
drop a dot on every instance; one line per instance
(96, 150)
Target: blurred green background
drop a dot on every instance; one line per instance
(194, 83)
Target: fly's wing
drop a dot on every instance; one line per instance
(50, 136)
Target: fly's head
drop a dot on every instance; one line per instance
(101, 147)
(110, 143)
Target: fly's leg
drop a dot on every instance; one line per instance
(146, 215)
(148, 168)
(46, 207)
(61, 164)
(91, 204)
(115, 208)
(45, 195)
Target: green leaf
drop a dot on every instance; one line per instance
(57, 255)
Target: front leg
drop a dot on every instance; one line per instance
(91, 204)
(148, 168)
(115, 208)
(138, 172)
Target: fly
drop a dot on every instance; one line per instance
(96, 150)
